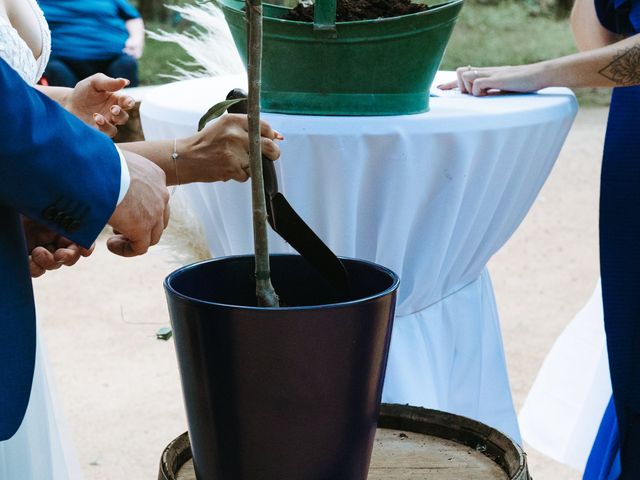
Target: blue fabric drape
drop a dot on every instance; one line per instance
(604, 460)
(619, 16)
(620, 267)
(616, 451)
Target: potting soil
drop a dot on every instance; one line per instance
(353, 10)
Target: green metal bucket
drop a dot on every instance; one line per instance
(369, 67)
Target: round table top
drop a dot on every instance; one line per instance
(183, 103)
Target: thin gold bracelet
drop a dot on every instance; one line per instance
(174, 157)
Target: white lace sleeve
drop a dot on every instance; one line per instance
(16, 52)
(45, 34)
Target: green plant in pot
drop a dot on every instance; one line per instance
(280, 391)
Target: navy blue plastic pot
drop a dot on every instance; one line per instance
(281, 394)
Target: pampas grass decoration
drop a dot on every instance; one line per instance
(214, 53)
(209, 44)
(184, 236)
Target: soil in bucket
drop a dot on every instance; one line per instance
(354, 10)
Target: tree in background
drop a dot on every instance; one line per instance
(153, 9)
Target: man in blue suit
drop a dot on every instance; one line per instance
(63, 179)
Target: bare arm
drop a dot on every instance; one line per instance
(135, 42)
(58, 94)
(587, 29)
(217, 153)
(97, 101)
(615, 65)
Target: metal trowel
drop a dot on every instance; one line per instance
(289, 225)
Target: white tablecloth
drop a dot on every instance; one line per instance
(432, 196)
(563, 410)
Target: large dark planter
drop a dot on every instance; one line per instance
(281, 394)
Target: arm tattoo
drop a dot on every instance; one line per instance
(624, 70)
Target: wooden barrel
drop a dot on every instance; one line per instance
(411, 444)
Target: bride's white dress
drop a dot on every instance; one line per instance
(41, 449)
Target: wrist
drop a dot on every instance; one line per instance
(543, 75)
(181, 170)
(553, 73)
(66, 96)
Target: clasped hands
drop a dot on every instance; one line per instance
(138, 223)
(48, 250)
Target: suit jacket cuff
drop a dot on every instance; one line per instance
(125, 178)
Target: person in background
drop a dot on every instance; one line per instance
(93, 36)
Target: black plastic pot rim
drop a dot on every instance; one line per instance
(184, 298)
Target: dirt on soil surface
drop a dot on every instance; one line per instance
(353, 10)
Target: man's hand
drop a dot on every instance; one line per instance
(143, 214)
(96, 100)
(48, 250)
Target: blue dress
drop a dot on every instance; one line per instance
(616, 451)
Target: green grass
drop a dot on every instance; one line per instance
(508, 33)
(158, 57)
(505, 34)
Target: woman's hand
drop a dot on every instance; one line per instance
(485, 81)
(48, 250)
(97, 101)
(220, 151)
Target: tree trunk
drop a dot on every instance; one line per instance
(563, 7)
(264, 290)
(153, 9)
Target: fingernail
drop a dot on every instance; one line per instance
(115, 110)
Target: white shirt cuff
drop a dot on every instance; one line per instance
(125, 178)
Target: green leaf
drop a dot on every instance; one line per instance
(217, 110)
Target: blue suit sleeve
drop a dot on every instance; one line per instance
(126, 10)
(54, 169)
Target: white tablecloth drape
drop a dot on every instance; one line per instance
(432, 196)
(565, 405)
